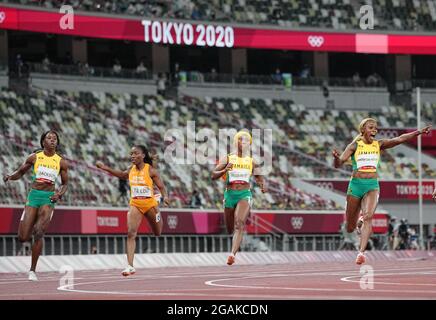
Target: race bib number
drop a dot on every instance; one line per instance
(139, 192)
(44, 174)
(367, 161)
(239, 175)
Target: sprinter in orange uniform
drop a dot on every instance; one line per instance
(142, 177)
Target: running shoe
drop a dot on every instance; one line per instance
(128, 271)
(32, 276)
(360, 258)
(231, 260)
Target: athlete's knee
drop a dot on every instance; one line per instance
(157, 231)
(23, 238)
(367, 216)
(38, 233)
(131, 234)
(239, 224)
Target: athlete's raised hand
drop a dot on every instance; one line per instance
(6, 178)
(99, 165)
(425, 130)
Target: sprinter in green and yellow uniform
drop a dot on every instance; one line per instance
(237, 170)
(47, 166)
(363, 188)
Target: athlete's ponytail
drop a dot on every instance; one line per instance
(147, 158)
(361, 127)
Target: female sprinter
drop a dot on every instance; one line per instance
(47, 166)
(237, 168)
(363, 189)
(142, 177)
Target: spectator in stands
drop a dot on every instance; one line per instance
(87, 70)
(391, 235)
(195, 200)
(213, 75)
(356, 79)
(277, 77)
(141, 70)
(46, 64)
(19, 65)
(47, 165)
(116, 69)
(142, 177)
(403, 232)
(94, 250)
(373, 80)
(305, 72)
(161, 84)
(195, 15)
(122, 188)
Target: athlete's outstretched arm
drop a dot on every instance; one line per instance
(17, 174)
(64, 180)
(154, 175)
(221, 168)
(260, 181)
(117, 173)
(390, 143)
(339, 160)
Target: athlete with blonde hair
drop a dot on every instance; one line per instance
(363, 188)
(237, 169)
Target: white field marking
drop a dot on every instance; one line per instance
(348, 279)
(213, 283)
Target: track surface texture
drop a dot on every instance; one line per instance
(393, 280)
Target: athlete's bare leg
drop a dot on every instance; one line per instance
(369, 205)
(229, 219)
(241, 214)
(134, 218)
(26, 223)
(352, 212)
(39, 229)
(155, 220)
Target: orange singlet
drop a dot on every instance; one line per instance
(141, 189)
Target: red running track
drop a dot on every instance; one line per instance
(403, 279)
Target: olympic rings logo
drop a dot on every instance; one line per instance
(325, 185)
(315, 41)
(297, 222)
(172, 221)
(388, 133)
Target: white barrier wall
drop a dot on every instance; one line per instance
(159, 260)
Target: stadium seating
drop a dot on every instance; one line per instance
(412, 15)
(101, 126)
